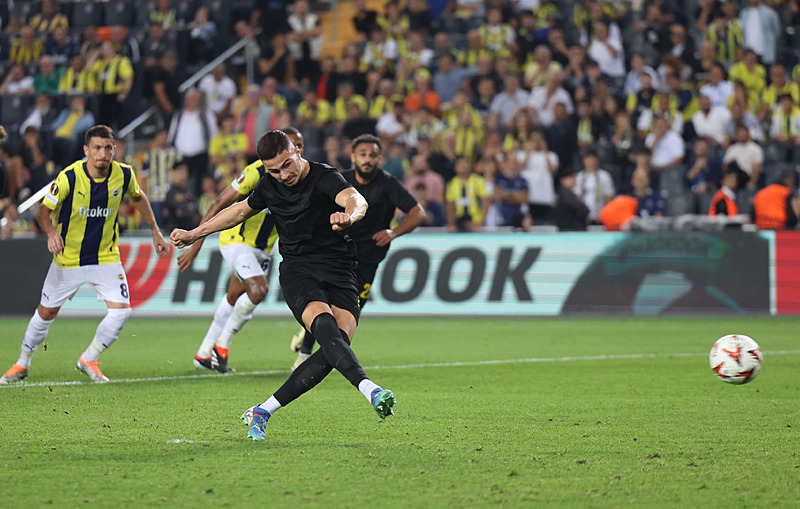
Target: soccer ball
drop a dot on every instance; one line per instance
(735, 359)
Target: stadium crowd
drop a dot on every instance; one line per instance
(493, 113)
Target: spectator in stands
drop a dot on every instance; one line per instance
(202, 35)
(543, 100)
(497, 36)
(420, 171)
(42, 115)
(651, 202)
(17, 82)
(165, 15)
(165, 86)
(434, 212)
(227, 150)
(507, 103)
(364, 20)
(778, 86)
(48, 19)
(466, 197)
(114, 82)
(725, 34)
(77, 78)
(312, 112)
(61, 47)
(209, 194)
(740, 115)
(447, 78)
(26, 49)
(219, 90)
(180, 205)
(718, 89)
(348, 72)
(594, 185)
(607, 52)
(190, 132)
(589, 128)
(761, 28)
(419, 16)
(68, 130)
(665, 144)
(357, 122)
(748, 157)
(703, 170)
(422, 94)
(385, 99)
(542, 66)
(483, 99)
(681, 46)
(276, 62)
(633, 80)
(36, 159)
(251, 120)
(155, 45)
(305, 41)
(380, 52)
(47, 79)
(622, 139)
(345, 99)
(723, 203)
(709, 122)
(414, 54)
(570, 212)
(785, 129)
(156, 170)
(777, 207)
(751, 74)
(510, 191)
(539, 165)
(391, 126)
(91, 42)
(271, 15)
(706, 62)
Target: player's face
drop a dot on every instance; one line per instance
(286, 167)
(366, 157)
(99, 152)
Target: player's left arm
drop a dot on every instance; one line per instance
(142, 204)
(354, 205)
(413, 218)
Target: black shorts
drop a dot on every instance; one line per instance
(303, 282)
(365, 275)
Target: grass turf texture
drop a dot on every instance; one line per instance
(655, 431)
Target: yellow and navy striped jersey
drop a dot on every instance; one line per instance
(256, 231)
(110, 75)
(85, 212)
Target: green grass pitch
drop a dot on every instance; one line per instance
(559, 412)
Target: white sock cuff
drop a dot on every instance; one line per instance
(245, 304)
(39, 321)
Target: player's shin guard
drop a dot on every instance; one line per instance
(107, 332)
(34, 335)
(242, 312)
(304, 378)
(337, 351)
(221, 315)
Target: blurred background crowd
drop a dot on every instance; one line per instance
(495, 114)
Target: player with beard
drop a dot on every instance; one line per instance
(311, 203)
(373, 234)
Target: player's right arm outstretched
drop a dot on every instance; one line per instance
(225, 199)
(228, 217)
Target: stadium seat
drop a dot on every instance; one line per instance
(119, 12)
(86, 14)
(16, 108)
(143, 9)
(24, 9)
(220, 12)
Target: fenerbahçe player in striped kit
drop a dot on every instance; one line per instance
(246, 247)
(84, 202)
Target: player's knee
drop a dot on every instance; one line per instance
(257, 289)
(46, 313)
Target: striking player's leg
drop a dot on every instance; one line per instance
(202, 358)
(111, 285)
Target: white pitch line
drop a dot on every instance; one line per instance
(632, 356)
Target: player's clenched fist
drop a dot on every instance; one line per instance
(181, 238)
(340, 220)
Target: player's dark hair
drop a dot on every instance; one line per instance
(99, 131)
(367, 138)
(272, 144)
(292, 131)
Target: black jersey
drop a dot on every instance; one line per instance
(302, 213)
(384, 194)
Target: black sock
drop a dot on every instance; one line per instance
(308, 343)
(333, 343)
(304, 378)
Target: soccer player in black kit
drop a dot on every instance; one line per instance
(372, 235)
(311, 203)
